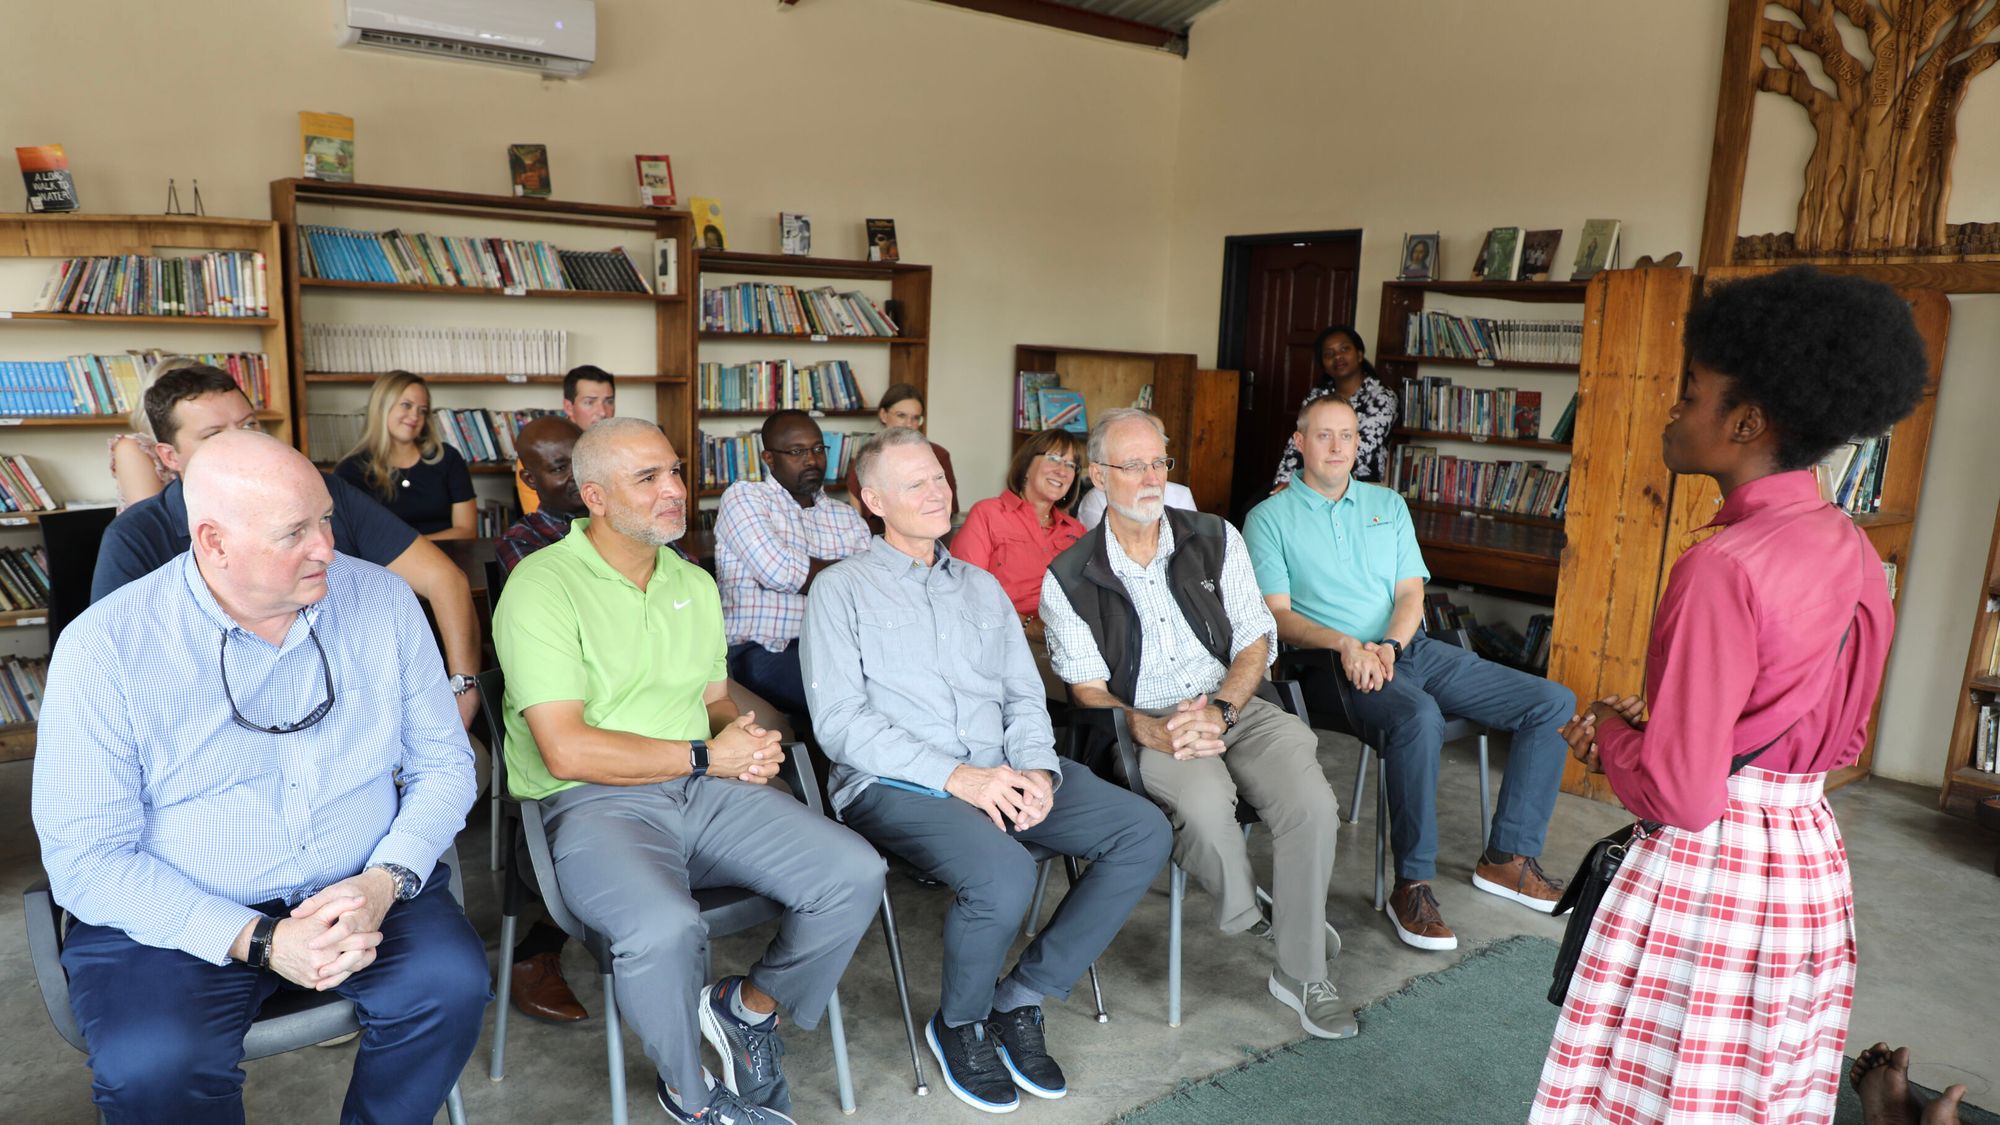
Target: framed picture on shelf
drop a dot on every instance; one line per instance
(1420, 258)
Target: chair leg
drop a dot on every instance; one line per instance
(1178, 882)
(614, 1050)
(499, 815)
(1035, 903)
(498, 1068)
(1485, 804)
(454, 1106)
(1381, 838)
(903, 991)
(837, 1031)
(1360, 779)
(1075, 869)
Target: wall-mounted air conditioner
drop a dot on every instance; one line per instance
(554, 37)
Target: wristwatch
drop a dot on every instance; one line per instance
(1228, 710)
(697, 758)
(260, 943)
(1394, 643)
(405, 879)
(462, 683)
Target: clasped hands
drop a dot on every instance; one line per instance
(1194, 730)
(1004, 794)
(1581, 731)
(745, 751)
(333, 934)
(1368, 665)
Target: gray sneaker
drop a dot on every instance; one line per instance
(1321, 1011)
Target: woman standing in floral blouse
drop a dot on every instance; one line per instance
(1346, 372)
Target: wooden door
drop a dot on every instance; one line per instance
(1293, 290)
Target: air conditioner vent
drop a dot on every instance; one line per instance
(466, 52)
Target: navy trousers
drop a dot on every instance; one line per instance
(774, 675)
(165, 1029)
(1405, 721)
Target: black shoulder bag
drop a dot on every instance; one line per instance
(1600, 865)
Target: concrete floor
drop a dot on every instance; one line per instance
(1929, 915)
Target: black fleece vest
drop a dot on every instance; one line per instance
(1194, 574)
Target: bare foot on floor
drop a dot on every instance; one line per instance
(1882, 1078)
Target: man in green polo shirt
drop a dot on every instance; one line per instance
(619, 722)
(1338, 563)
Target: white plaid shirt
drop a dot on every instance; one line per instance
(764, 547)
(1173, 663)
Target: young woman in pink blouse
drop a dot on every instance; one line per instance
(1719, 971)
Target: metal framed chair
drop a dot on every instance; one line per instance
(289, 1020)
(1111, 721)
(1455, 728)
(724, 911)
(496, 577)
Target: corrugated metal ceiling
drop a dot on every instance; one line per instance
(1174, 15)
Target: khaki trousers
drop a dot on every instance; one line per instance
(1271, 760)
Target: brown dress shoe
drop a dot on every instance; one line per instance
(1522, 880)
(540, 992)
(1413, 910)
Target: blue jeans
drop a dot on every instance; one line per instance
(1405, 722)
(774, 675)
(165, 1029)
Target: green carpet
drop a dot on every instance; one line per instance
(1458, 1046)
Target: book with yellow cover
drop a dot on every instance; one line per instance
(326, 141)
(709, 230)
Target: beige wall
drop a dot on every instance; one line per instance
(1032, 169)
(1457, 116)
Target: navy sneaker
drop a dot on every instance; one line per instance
(751, 1054)
(723, 1108)
(972, 1068)
(1024, 1052)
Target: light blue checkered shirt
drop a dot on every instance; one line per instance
(161, 817)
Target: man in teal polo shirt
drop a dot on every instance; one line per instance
(1338, 563)
(619, 722)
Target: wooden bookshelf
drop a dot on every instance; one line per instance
(17, 741)
(669, 332)
(908, 354)
(152, 321)
(1197, 406)
(1964, 782)
(101, 421)
(1480, 439)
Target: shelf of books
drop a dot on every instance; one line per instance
(1972, 762)
(824, 335)
(88, 303)
(537, 286)
(1482, 370)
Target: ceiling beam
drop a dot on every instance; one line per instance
(1067, 18)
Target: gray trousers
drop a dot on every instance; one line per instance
(1272, 760)
(629, 857)
(1123, 836)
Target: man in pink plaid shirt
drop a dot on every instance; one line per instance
(772, 538)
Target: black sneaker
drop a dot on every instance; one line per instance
(752, 1054)
(972, 1068)
(1024, 1052)
(724, 1107)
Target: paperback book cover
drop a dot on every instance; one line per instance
(1063, 410)
(1527, 414)
(1538, 254)
(882, 240)
(656, 181)
(667, 266)
(795, 234)
(708, 224)
(45, 169)
(529, 165)
(1027, 398)
(1502, 258)
(1597, 248)
(327, 142)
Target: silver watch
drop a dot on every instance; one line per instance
(405, 879)
(462, 683)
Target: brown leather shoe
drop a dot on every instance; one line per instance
(1523, 880)
(1413, 910)
(540, 992)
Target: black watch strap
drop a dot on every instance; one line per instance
(260, 942)
(1228, 710)
(697, 758)
(1394, 643)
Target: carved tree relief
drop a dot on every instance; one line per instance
(1880, 173)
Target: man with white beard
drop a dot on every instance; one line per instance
(1157, 611)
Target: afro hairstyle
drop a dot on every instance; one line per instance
(1828, 357)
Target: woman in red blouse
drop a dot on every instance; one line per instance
(1719, 971)
(1015, 535)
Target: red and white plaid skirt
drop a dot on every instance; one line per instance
(1719, 972)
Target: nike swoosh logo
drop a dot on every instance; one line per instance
(684, 605)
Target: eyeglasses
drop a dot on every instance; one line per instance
(311, 719)
(1059, 461)
(802, 451)
(1136, 468)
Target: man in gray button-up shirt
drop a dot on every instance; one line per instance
(925, 697)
